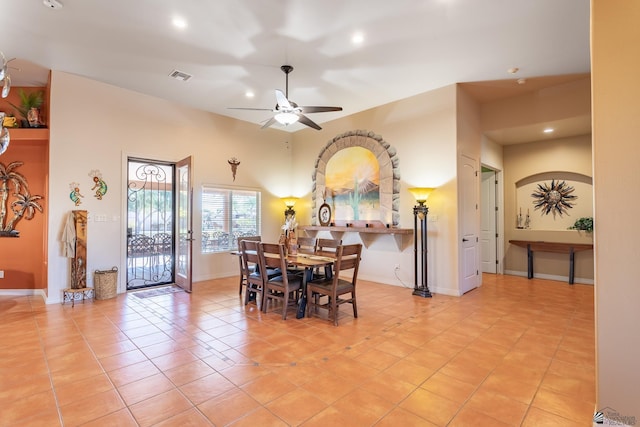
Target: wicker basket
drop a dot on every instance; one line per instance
(106, 283)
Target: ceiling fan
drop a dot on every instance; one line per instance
(288, 112)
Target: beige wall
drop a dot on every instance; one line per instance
(615, 67)
(524, 160)
(468, 134)
(96, 126)
(423, 131)
(547, 105)
(124, 123)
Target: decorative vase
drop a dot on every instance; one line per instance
(33, 116)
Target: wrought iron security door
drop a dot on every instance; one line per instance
(150, 219)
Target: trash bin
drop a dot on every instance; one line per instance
(105, 283)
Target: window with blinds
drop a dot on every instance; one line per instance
(226, 215)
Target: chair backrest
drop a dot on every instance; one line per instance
(328, 244)
(140, 245)
(249, 249)
(163, 242)
(307, 244)
(347, 258)
(250, 238)
(272, 256)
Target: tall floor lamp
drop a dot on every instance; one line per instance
(420, 212)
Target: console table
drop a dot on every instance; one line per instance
(555, 247)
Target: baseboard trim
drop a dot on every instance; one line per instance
(24, 293)
(549, 277)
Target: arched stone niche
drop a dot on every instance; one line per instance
(389, 172)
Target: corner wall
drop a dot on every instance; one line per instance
(615, 63)
(423, 131)
(524, 160)
(87, 135)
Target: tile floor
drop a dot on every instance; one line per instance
(514, 352)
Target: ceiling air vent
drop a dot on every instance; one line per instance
(179, 75)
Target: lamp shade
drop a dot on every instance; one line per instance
(286, 118)
(421, 194)
(289, 201)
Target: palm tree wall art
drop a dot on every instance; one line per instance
(17, 201)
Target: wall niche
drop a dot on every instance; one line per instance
(388, 180)
(580, 186)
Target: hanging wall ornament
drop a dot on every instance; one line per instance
(5, 78)
(4, 135)
(553, 199)
(99, 186)
(75, 195)
(234, 166)
(19, 202)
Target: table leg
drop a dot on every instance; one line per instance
(241, 274)
(302, 301)
(571, 272)
(529, 262)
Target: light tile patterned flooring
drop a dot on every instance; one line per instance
(513, 352)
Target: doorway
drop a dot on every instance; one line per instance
(489, 221)
(151, 213)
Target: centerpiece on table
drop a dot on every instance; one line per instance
(288, 237)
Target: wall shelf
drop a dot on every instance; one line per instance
(29, 134)
(367, 234)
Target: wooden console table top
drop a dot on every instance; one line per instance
(557, 247)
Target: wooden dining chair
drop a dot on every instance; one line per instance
(336, 288)
(306, 245)
(254, 281)
(285, 287)
(245, 270)
(326, 245)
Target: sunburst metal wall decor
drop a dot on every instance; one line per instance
(555, 198)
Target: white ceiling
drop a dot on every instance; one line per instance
(232, 46)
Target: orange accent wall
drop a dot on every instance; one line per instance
(23, 258)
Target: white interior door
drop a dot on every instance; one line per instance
(184, 224)
(469, 255)
(488, 223)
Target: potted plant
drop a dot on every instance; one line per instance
(584, 223)
(30, 103)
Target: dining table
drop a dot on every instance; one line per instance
(308, 261)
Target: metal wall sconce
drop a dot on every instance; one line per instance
(289, 202)
(420, 212)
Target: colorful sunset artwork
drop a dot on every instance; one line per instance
(352, 180)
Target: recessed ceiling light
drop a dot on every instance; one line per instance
(249, 94)
(548, 130)
(357, 38)
(179, 22)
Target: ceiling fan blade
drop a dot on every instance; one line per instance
(307, 121)
(283, 102)
(251, 109)
(307, 109)
(269, 122)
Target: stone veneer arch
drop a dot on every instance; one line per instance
(389, 172)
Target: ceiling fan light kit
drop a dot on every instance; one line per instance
(286, 118)
(288, 112)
